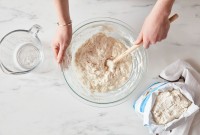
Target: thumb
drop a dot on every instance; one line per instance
(139, 38)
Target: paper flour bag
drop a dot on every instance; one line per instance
(164, 106)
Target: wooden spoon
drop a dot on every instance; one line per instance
(110, 63)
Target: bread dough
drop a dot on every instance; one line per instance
(169, 105)
(90, 60)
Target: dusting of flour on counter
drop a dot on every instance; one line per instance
(90, 60)
(169, 105)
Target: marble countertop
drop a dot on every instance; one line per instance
(39, 103)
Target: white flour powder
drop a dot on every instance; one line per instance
(168, 106)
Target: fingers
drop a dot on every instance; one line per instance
(163, 33)
(61, 42)
(139, 39)
(166, 31)
(61, 53)
(144, 39)
(146, 43)
(59, 50)
(55, 48)
(162, 36)
(153, 40)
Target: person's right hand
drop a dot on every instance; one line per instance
(156, 25)
(154, 29)
(61, 42)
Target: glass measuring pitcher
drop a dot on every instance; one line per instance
(21, 51)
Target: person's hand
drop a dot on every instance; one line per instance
(154, 29)
(61, 42)
(156, 25)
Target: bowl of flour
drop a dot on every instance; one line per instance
(88, 77)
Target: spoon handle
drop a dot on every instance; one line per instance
(118, 58)
(173, 18)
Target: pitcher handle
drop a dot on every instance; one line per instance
(35, 29)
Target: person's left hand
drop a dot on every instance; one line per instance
(154, 29)
(61, 42)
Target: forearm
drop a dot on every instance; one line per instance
(62, 7)
(163, 7)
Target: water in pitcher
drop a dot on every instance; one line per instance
(27, 56)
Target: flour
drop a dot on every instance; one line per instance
(111, 65)
(90, 60)
(169, 105)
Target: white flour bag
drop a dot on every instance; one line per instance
(164, 106)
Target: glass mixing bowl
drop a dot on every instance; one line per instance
(120, 31)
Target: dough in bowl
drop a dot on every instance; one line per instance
(90, 60)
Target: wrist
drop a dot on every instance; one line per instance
(64, 23)
(64, 29)
(163, 7)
